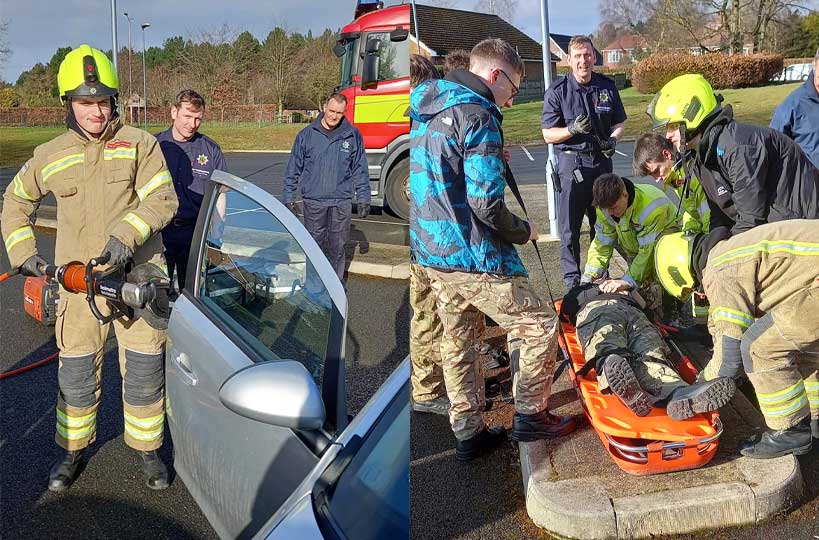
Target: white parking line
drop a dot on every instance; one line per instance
(525, 151)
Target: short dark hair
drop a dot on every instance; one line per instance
(606, 190)
(337, 96)
(577, 41)
(421, 69)
(498, 50)
(192, 97)
(457, 59)
(649, 147)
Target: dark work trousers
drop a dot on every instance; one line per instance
(177, 242)
(573, 202)
(330, 227)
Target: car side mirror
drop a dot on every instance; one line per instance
(339, 50)
(279, 393)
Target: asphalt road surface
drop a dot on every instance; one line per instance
(109, 500)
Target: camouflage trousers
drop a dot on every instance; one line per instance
(607, 325)
(780, 353)
(462, 300)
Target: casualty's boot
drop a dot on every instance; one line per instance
(469, 449)
(64, 471)
(686, 401)
(814, 428)
(543, 425)
(795, 440)
(154, 471)
(624, 384)
(438, 405)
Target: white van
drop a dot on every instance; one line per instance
(794, 72)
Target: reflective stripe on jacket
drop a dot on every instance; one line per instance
(117, 185)
(636, 232)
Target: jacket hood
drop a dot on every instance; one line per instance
(713, 129)
(436, 95)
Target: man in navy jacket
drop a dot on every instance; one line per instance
(328, 165)
(798, 116)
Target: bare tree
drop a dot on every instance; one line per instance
(505, 9)
(278, 53)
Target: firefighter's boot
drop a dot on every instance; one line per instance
(702, 397)
(154, 471)
(64, 471)
(795, 440)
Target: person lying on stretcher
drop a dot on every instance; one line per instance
(631, 358)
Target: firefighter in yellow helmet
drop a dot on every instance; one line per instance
(763, 287)
(751, 174)
(114, 194)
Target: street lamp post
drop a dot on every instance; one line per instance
(130, 75)
(144, 78)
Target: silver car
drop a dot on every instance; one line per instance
(256, 397)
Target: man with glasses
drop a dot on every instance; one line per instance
(798, 116)
(463, 234)
(583, 117)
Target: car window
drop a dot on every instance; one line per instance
(256, 278)
(371, 497)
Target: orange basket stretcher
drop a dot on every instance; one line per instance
(646, 445)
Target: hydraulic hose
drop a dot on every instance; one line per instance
(29, 367)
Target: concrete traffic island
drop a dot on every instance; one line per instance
(575, 490)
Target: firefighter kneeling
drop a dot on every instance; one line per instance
(114, 192)
(763, 287)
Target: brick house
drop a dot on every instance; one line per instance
(623, 50)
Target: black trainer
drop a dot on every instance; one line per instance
(64, 471)
(469, 449)
(701, 397)
(544, 425)
(439, 405)
(624, 384)
(796, 440)
(154, 471)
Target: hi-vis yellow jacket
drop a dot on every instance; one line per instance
(117, 185)
(635, 233)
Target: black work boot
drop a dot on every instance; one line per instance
(543, 425)
(686, 401)
(154, 471)
(64, 471)
(624, 384)
(814, 428)
(795, 440)
(469, 449)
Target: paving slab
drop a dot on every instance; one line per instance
(575, 490)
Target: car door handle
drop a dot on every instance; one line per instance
(182, 362)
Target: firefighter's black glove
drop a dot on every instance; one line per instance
(607, 147)
(293, 207)
(34, 266)
(119, 252)
(363, 210)
(581, 125)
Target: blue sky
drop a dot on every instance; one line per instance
(38, 27)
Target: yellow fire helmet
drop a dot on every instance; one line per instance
(672, 261)
(687, 99)
(86, 72)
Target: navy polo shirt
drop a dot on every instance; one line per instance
(191, 164)
(567, 99)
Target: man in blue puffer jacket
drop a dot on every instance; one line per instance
(329, 165)
(462, 233)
